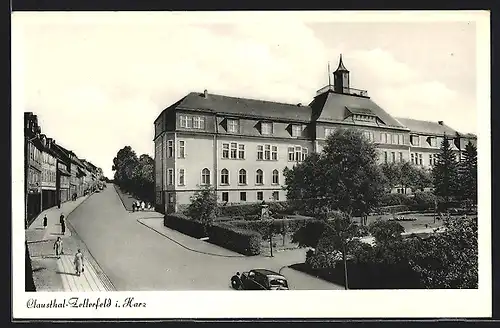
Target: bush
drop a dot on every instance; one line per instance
(183, 224)
(392, 209)
(240, 210)
(262, 226)
(424, 201)
(394, 199)
(243, 241)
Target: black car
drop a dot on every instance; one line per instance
(259, 279)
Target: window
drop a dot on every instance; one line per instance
(267, 152)
(400, 157)
(415, 140)
(430, 159)
(393, 157)
(224, 177)
(274, 153)
(276, 177)
(266, 128)
(435, 159)
(298, 153)
(186, 121)
(199, 122)
(291, 154)
(225, 150)
(241, 151)
(170, 148)
(401, 139)
(383, 137)
(205, 176)
(242, 177)
(181, 177)
(296, 130)
(225, 197)
(243, 196)
(259, 177)
(276, 195)
(170, 177)
(234, 150)
(413, 158)
(304, 153)
(260, 152)
(420, 159)
(328, 131)
(182, 148)
(232, 126)
(368, 135)
(433, 141)
(260, 195)
(385, 157)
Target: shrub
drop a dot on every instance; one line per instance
(262, 226)
(394, 199)
(392, 209)
(243, 241)
(183, 224)
(240, 210)
(424, 201)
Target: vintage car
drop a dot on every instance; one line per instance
(259, 279)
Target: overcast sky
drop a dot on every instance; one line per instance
(98, 84)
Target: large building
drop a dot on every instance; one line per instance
(52, 173)
(241, 146)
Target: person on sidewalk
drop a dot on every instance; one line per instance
(63, 227)
(78, 262)
(133, 207)
(45, 221)
(61, 219)
(143, 206)
(58, 246)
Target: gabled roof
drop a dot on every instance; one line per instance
(336, 107)
(244, 107)
(427, 127)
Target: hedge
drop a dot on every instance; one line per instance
(252, 209)
(395, 199)
(261, 226)
(243, 241)
(183, 224)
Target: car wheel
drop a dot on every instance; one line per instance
(236, 284)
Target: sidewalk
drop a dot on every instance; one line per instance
(51, 273)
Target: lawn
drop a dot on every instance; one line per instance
(423, 220)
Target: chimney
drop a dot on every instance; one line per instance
(205, 93)
(440, 122)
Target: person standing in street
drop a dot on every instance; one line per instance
(143, 206)
(133, 207)
(45, 221)
(58, 246)
(61, 218)
(78, 262)
(63, 227)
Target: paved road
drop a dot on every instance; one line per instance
(143, 255)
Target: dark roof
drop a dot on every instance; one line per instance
(267, 272)
(244, 106)
(427, 127)
(337, 107)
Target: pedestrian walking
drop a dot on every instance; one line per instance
(61, 219)
(78, 262)
(133, 207)
(143, 205)
(45, 221)
(58, 246)
(63, 227)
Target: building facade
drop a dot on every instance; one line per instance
(33, 149)
(242, 146)
(48, 174)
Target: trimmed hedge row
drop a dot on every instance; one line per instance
(182, 223)
(240, 240)
(243, 241)
(289, 224)
(244, 210)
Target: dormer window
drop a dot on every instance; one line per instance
(415, 140)
(432, 141)
(365, 118)
(232, 126)
(266, 128)
(296, 130)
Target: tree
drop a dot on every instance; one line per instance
(203, 206)
(445, 172)
(338, 237)
(449, 259)
(392, 173)
(309, 234)
(344, 177)
(124, 165)
(468, 175)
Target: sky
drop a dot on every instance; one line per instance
(98, 82)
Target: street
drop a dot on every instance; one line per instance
(138, 253)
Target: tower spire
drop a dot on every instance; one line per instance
(341, 67)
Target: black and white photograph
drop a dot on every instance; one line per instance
(176, 163)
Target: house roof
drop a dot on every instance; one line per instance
(427, 127)
(336, 107)
(244, 106)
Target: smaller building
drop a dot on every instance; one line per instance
(49, 174)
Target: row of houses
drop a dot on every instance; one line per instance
(241, 146)
(53, 174)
